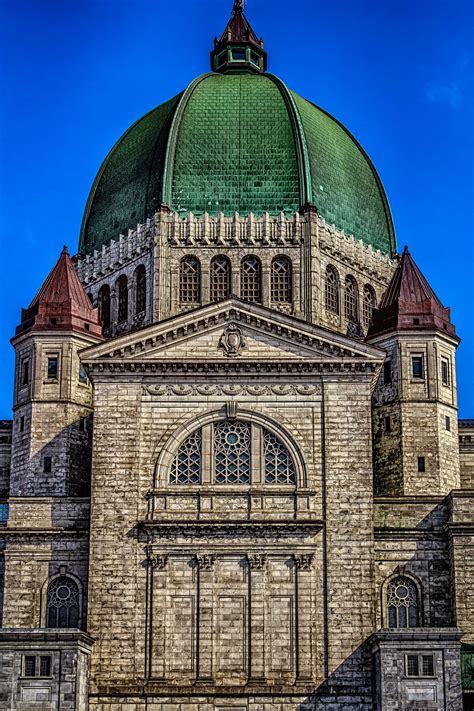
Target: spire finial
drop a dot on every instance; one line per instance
(238, 49)
(238, 6)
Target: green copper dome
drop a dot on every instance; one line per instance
(237, 142)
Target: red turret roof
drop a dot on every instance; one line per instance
(410, 303)
(61, 304)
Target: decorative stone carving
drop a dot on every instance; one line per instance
(157, 561)
(303, 561)
(231, 410)
(255, 390)
(205, 561)
(232, 341)
(257, 561)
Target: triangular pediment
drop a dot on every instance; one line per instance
(231, 331)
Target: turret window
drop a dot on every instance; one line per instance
(53, 367)
(122, 288)
(421, 464)
(368, 305)
(402, 602)
(235, 452)
(251, 279)
(445, 375)
(281, 281)
(25, 373)
(220, 279)
(104, 305)
(332, 290)
(351, 299)
(47, 465)
(140, 289)
(387, 372)
(417, 369)
(190, 281)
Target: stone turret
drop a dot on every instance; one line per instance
(415, 401)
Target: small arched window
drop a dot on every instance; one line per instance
(62, 604)
(140, 289)
(236, 452)
(402, 602)
(190, 281)
(122, 289)
(220, 278)
(251, 279)
(104, 305)
(351, 299)
(332, 290)
(281, 281)
(368, 304)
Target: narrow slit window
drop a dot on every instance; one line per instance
(122, 288)
(140, 289)
(104, 305)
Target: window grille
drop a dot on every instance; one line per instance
(351, 298)
(104, 305)
(402, 603)
(279, 467)
(281, 281)
(220, 279)
(332, 290)
(251, 280)
(63, 603)
(140, 286)
(186, 467)
(232, 452)
(368, 304)
(190, 281)
(29, 665)
(122, 286)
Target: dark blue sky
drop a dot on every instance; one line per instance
(397, 73)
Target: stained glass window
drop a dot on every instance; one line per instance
(186, 467)
(402, 602)
(63, 603)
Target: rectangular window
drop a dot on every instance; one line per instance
(47, 461)
(387, 372)
(45, 666)
(82, 424)
(428, 665)
(25, 372)
(83, 377)
(412, 665)
(22, 423)
(417, 366)
(388, 424)
(445, 372)
(53, 367)
(421, 464)
(29, 666)
(447, 421)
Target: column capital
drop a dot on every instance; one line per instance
(303, 561)
(205, 561)
(257, 561)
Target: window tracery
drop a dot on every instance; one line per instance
(63, 602)
(190, 281)
(281, 281)
(186, 467)
(232, 452)
(351, 299)
(251, 280)
(368, 304)
(332, 290)
(220, 278)
(402, 602)
(279, 467)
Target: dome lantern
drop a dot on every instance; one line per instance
(238, 49)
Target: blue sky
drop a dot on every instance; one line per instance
(397, 73)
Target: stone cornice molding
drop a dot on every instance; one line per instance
(240, 529)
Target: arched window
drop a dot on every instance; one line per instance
(368, 304)
(236, 452)
(62, 604)
(332, 290)
(251, 279)
(104, 305)
(281, 281)
(351, 299)
(220, 278)
(190, 281)
(140, 289)
(402, 602)
(122, 289)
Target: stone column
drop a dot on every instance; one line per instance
(256, 616)
(303, 594)
(157, 567)
(204, 620)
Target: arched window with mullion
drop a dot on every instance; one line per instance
(220, 278)
(351, 299)
(368, 304)
(190, 280)
(140, 289)
(62, 602)
(281, 281)
(251, 279)
(332, 290)
(402, 603)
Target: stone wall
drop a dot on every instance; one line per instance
(5, 456)
(466, 453)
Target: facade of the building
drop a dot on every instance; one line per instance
(234, 479)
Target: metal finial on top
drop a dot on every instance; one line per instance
(238, 6)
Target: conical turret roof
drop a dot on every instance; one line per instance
(61, 304)
(410, 303)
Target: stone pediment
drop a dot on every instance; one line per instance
(231, 332)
